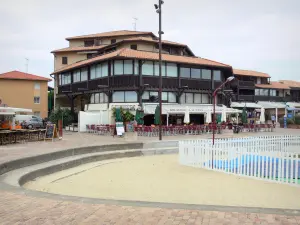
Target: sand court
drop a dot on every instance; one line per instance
(160, 178)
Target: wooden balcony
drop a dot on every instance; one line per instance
(124, 81)
(246, 84)
(246, 98)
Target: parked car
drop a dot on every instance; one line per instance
(30, 121)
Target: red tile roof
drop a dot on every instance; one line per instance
(17, 75)
(79, 48)
(133, 54)
(250, 73)
(291, 83)
(273, 85)
(112, 34)
(152, 40)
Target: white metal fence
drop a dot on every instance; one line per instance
(272, 158)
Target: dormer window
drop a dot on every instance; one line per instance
(113, 41)
(89, 43)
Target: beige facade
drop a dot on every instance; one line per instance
(22, 93)
(72, 57)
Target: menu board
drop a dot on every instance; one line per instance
(50, 131)
(130, 127)
(120, 128)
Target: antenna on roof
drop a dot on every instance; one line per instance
(27, 62)
(134, 23)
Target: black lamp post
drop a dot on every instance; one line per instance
(160, 32)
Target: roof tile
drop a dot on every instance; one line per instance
(273, 85)
(129, 53)
(17, 75)
(250, 73)
(291, 83)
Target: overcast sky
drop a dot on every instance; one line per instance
(262, 35)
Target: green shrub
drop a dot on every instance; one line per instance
(288, 121)
(64, 114)
(297, 119)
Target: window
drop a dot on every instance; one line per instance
(195, 73)
(257, 92)
(171, 97)
(64, 60)
(156, 69)
(152, 96)
(37, 86)
(97, 98)
(36, 100)
(217, 75)
(84, 74)
(123, 67)
(88, 43)
(65, 78)
(147, 68)
(171, 70)
(104, 69)
(194, 98)
(272, 92)
(134, 47)
(89, 56)
(185, 72)
(113, 41)
(124, 96)
(37, 113)
(164, 96)
(136, 67)
(118, 67)
(206, 74)
(128, 67)
(76, 76)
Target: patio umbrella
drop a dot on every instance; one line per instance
(223, 116)
(157, 115)
(244, 116)
(118, 115)
(208, 117)
(219, 118)
(262, 115)
(186, 115)
(139, 117)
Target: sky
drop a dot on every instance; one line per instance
(261, 35)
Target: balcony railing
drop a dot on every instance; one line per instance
(247, 98)
(246, 84)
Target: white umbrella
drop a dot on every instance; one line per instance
(186, 115)
(208, 117)
(262, 115)
(223, 115)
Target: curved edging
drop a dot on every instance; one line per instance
(33, 160)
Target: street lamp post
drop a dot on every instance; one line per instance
(160, 32)
(214, 105)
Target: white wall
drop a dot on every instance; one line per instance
(88, 118)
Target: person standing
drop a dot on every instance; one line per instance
(273, 118)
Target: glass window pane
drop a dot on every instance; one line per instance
(84, 74)
(118, 67)
(93, 71)
(172, 97)
(206, 74)
(185, 72)
(118, 96)
(197, 98)
(128, 67)
(164, 96)
(217, 75)
(189, 98)
(98, 71)
(136, 67)
(256, 91)
(171, 70)
(153, 93)
(195, 73)
(76, 76)
(130, 96)
(156, 68)
(182, 98)
(104, 69)
(101, 98)
(147, 68)
(105, 98)
(205, 99)
(145, 95)
(97, 98)
(163, 69)
(266, 92)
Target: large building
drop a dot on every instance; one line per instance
(120, 68)
(23, 90)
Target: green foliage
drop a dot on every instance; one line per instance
(297, 119)
(64, 114)
(126, 114)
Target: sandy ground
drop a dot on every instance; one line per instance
(162, 179)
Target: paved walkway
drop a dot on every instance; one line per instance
(17, 208)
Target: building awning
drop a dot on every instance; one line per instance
(6, 113)
(14, 110)
(272, 105)
(167, 108)
(293, 104)
(245, 104)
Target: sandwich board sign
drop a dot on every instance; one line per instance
(51, 132)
